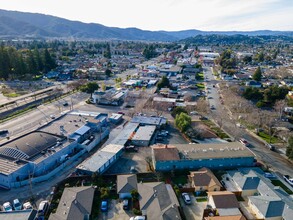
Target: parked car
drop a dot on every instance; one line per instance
(43, 207)
(16, 204)
(244, 142)
(104, 206)
(186, 198)
(131, 148)
(121, 113)
(269, 175)
(65, 103)
(27, 205)
(5, 131)
(288, 179)
(7, 207)
(125, 204)
(139, 217)
(270, 146)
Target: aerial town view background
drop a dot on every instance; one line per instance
(99, 122)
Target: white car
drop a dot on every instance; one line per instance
(186, 198)
(16, 204)
(139, 217)
(27, 205)
(7, 207)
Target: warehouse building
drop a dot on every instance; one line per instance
(145, 120)
(105, 157)
(143, 136)
(195, 156)
(39, 155)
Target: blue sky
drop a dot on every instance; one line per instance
(170, 15)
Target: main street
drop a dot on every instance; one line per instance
(41, 115)
(220, 115)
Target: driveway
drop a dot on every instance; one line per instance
(194, 210)
(116, 212)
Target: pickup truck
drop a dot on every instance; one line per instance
(288, 179)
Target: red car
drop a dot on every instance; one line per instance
(244, 142)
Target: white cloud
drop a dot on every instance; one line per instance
(168, 14)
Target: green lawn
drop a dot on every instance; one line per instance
(179, 180)
(266, 137)
(202, 199)
(279, 183)
(11, 95)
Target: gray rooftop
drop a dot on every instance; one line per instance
(158, 121)
(126, 183)
(144, 133)
(125, 134)
(96, 161)
(29, 145)
(268, 206)
(158, 200)
(65, 125)
(75, 203)
(19, 215)
(100, 158)
(214, 150)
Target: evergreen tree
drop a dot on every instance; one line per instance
(38, 59)
(257, 74)
(164, 83)
(31, 64)
(49, 62)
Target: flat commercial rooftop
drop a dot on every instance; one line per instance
(65, 125)
(158, 121)
(144, 132)
(100, 158)
(125, 134)
(217, 150)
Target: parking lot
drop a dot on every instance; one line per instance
(137, 160)
(131, 159)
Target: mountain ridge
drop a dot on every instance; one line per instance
(15, 24)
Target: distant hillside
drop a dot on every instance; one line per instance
(22, 24)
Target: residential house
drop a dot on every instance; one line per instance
(224, 203)
(264, 199)
(254, 84)
(158, 201)
(246, 184)
(75, 203)
(125, 184)
(204, 180)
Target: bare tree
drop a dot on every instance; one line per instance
(279, 107)
(201, 106)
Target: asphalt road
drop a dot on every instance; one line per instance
(220, 115)
(41, 115)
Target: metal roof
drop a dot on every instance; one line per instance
(82, 130)
(29, 145)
